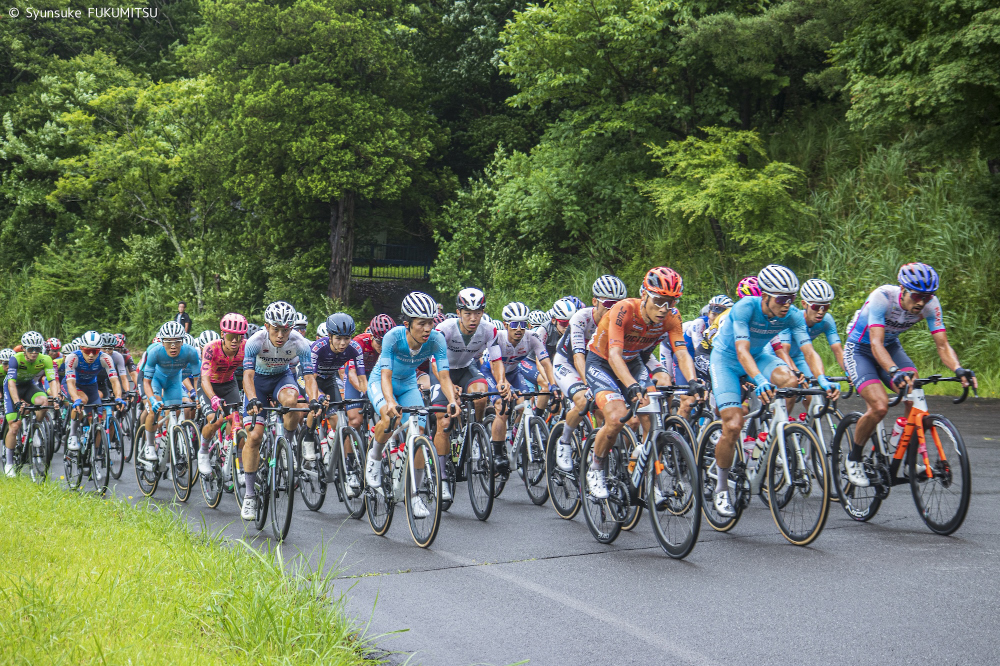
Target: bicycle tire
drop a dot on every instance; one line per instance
(38, 458)
(707, 475)
(263, 482)
(235, 462)
(116, 448)
(100, 464)
(192, 435)
(534, 472)
(380, 504)
(311, 477)
(676, 518)
(630, 444)
(211, 484)
(180, 464)
(861, 504)
(943, 475)
(282, 489)
(479, 471)
(128, 429)
(809, 488)
(147, 478)
(424, 530)
(564, 487)
(596, 511)
(355, 505)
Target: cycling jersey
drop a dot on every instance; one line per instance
(218, 367)
(550, 337)
(746, 321)
(397, 356)
(463, 350)
(261, 356)
(368, 351)
(625, 328)
(694, 332)
(85, 374)
(119, 362)
(21, 370)
(581, 328)
(162, 366)
(883, 308)
(825, 326)
(328, 363)
(512, 354)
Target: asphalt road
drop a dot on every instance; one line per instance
(528, 586)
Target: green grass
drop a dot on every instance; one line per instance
(100, 581)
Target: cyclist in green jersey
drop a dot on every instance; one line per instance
(23, 369)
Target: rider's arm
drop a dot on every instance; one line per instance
(580, 363)
(386, 379)
(619, 366)
(838, 353)
(944, 350)
(876, 336)
(12, 379)
(685, 362)
(812, 359)
(782, 351)
(747, 360)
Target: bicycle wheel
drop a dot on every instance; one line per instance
(263, 482)
(311, 478)
(801, 518)
(116, 448)
(192, 435)
(861, 504)
(479, 471)
(146, 474)
(235, 461)
(37, 453)
(826, 430)
(533, 466)
(941, 484)
(180, 464)
(211, 484)
(100, 464)
(379, 502)
(673, 498)
(127, 423)
(564, 487)
(427, 489)
(708, 474)
(603, 521)
(354, 500)
(630, 445)
(282, 489)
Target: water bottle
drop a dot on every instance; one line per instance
(748, 446)
(758, 448)
(897, 432)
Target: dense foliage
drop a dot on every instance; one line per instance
(229, 152)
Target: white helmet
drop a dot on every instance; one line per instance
(538, 318)
(486, 319)
(470, 298)
(515, 311)
(92, 339)
(76, 341)
(321, 330)
(279, 313)
(207, 336)
(609, 287)
(563, 309)
(815, 291)
(420, 305)
(5, 354)
(300, 319)
(776, 279)
(32, 339)
(189, 340)
(722, 300)
(68, 349)
(170, 331)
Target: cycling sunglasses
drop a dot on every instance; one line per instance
(716, 309)
(32, 350)
(663, 301)
(609, 304)
(173, 343)
(921, 296)
(819, 307)
(783, 299)
(517, 324)
(561, 322)
(90, 350)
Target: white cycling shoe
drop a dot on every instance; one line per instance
(564, 457)
(856, 473)
(596, 485)
(249, 509)
(353, 485)
(204, 463)
(373, 473)
(445, 491)
(9, 471)
(418, 507)
(73, 444)
(723, 506)
(150, 453)
(308, 449)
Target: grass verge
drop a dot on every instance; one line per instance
(100, 581)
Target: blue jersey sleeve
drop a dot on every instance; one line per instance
(315, 348)
(797, 328)
(12, 368)
(440, 349)
(934, 315)
(739, 317)
(152, 355)
(876, 308)
(359, 358)
(830, 329)
(388, 356)
(250, 351)
(193, 368)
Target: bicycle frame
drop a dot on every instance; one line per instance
(914, 422)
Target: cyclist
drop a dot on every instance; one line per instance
(616, 372)
(742, 346)
(221, 359)
(300, 323)
(103, 382)
(371, 346)
(466, 338)
(570, 361)
(694, 335)
(53, 347)
(130, 366)
(874, 355)
(321, 331)
(167, 367)
(20, 386)
(551, 333)
(82, 368)
(403, 349)
(529, 366)
(267, 378)
(747, 287)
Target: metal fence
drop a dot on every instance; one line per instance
(392, 262)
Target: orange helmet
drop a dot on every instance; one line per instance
(663, 281)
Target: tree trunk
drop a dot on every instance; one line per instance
(341, 247)
(720, 239)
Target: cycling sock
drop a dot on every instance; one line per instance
(375, 453)
(442, 465)
(539, 412)
(74, 428)
(498, 449)
(567, 435)
(251, 479)
(855, 455)
(722, 483)
(204, 445)
(599, 463)
(10, 455)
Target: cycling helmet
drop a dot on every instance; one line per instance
(538, 318)
(251, 329)
(279, 313)
(722, 300)
(776, 279)
(189, 340)
(32, 339)
(381, 325)
(470, 298)
(563, 309)
(918, 277)
(171, 331)
(207, 336)
(663, 281)
(68, 348)
(515, 311)
(486, 319)
(5, 354)
(77, 340)
(321, 331)
(816, 291)
(52, 344)
(120, 341)
(340, 323)
(234, 322)
(575, 301)
(419, 305)
(450, 315)
(108, 340)
(609, 287)
(92, 339)
(748, 287)
(438, 318)
(300, 320)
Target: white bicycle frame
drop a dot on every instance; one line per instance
(776, 433)
(411, 430)
(522, 428)
(171, 424)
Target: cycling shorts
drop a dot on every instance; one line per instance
(351, 393)
(267, 387)
(863, 369)
(460, 377)
(567, 378)
(726, 372)
(227, 392)
(529, 371)
(170, 389)
(605, 385)
(329, 386)
(514, 378)
(800, 362)
(679, 376)
(89, 390)
(26, 391)
(407, 394)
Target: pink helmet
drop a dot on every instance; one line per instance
(748, 287)
(234, 323)
(381, 325)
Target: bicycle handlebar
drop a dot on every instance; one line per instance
(933, 379)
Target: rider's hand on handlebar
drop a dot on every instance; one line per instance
(832, 389)
(392, 409)
(697, 387)
(216, 403)
(504, 389)
(254, 406)
(453, 409)
(765, 389)
(968, 377)
(902, 378)
(634, 393)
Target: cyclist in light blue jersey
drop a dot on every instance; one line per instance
(166, 375)
(394, 381)
(743, 346)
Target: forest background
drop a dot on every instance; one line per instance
(229, 153)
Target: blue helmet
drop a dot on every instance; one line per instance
(340, 323)
(575, 301)
(918, 277)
